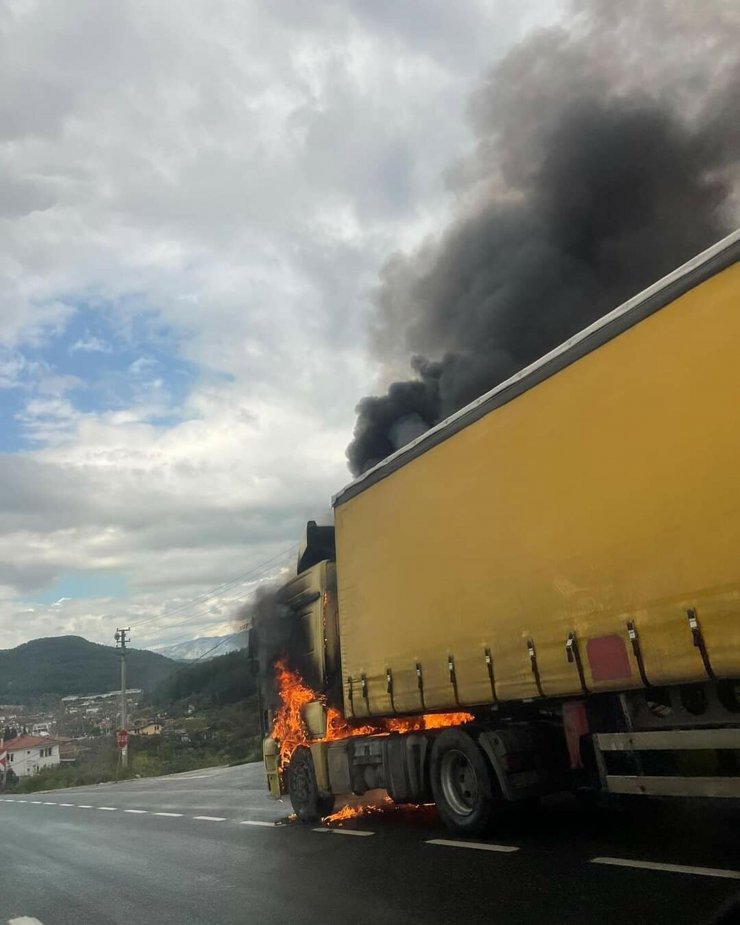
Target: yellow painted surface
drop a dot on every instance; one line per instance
(315, 645)
(609, 492)
(270, 755)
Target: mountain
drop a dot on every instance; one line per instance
(61, 665)
(197, 648)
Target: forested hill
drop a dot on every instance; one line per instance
(62, 665)
(218, 681)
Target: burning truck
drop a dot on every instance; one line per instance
(540, 593)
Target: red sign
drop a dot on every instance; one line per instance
(122, 738)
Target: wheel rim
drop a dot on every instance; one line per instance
(459, 782)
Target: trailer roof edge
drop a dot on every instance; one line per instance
(705, 265)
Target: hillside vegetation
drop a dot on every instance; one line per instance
(62, 665)
(217, 681)
(210, 716)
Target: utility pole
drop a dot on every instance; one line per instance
(120, 637)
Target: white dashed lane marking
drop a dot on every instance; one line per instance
(24, 919)
(671, 868)
(444, 842)
(477, 845)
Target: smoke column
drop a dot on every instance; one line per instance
(608, 155)
(271, 630)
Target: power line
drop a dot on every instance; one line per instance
(218, 589)
(192, 615)
(178, 671)
(195, 614)
(205, 596)
(199, 599)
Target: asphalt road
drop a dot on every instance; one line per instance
(185, 850)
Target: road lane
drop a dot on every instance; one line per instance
(215, 792)
(69, 865)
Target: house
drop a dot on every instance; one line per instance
(148, 729)
(26, 755)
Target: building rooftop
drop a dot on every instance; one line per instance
(25, 742)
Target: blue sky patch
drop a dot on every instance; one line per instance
(83, 584)
(109, 357)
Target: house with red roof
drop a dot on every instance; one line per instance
(27, 755)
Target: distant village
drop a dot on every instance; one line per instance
(32, 739)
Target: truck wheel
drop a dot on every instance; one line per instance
(308, 804)
(463, 784)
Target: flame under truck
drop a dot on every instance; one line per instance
(558, 563)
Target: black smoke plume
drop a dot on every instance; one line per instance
(270, 631)
(593, 178)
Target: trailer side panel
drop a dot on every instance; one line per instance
(607, 495)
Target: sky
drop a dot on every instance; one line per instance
(196, 203)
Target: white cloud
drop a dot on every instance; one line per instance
(90, 344)
(223, 181)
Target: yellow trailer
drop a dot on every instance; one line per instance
(543, 591)
(576, 529)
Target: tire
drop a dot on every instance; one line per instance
(463, 783)
(308, 804)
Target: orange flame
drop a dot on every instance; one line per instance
(385, 806)
(289, 730)
(352, 812)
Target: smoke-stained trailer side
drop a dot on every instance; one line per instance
(543, 591)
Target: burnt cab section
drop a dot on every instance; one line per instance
(313, 648)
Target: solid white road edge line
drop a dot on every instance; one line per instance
(671, 868)
(479, 846)
(211, 818)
